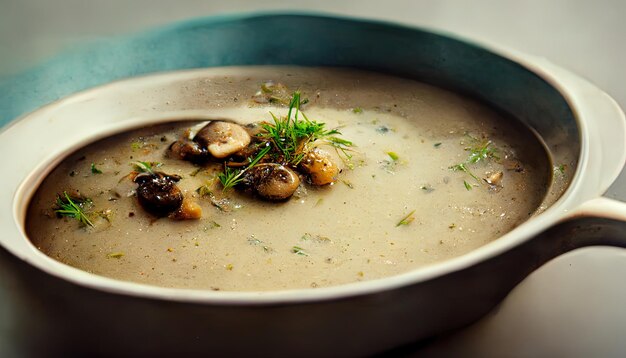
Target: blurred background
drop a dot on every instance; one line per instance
(570, 307)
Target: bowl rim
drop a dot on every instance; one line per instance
(573, 196)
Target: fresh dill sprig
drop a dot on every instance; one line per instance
(290, 136)
(463, 168)
(482, 151)
(73, 208)
(231, 177)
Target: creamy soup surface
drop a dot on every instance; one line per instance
(403, 200)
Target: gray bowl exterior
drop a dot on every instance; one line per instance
(48, 316)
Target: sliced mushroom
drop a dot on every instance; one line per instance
(158, 194)
(318, 164)
(188, 150)
(272, 181)
(223, 139)
(494, 179)
(189, 210)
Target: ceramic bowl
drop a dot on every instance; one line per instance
(71, 100)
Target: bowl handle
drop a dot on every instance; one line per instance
(597, 222)
(600, 221)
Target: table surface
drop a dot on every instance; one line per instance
(569, 307)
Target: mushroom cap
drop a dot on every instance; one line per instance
(188, 150)
(157, 193)
(273, 181)
(223, 139)
(320, 167)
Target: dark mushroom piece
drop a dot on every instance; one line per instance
(158, 194)
(317, 163)
(223, 139)
(188, 150)
(272, 181)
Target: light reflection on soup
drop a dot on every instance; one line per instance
(433, 175)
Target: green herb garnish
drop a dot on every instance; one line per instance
(560, 169)
(463, 167)
(299, 251)
(291, 136)
(204, 190)
(481, 151)
(95, 170)
(73, 208)
(146, 167)
(357, 110)
(115, 255)
(231, 177)
(393, 156)
(437, 145)
(136, 145)
(407, 219)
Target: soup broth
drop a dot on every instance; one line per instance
(431, 175)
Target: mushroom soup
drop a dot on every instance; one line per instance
(295, 178)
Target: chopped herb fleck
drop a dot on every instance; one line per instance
(95, 170)
(348, 184)
(212, 225)
(204, 190)
(195, 172)
(480, 151)
(468, 186)
(299, 251)
(560, 169)
(357, 110)
(115, 255)
(393, 156)
(437, 145)
(382, 129)
(252, 240)
(407, 219)
(136, 145)
(146, 167)
(427, 188)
